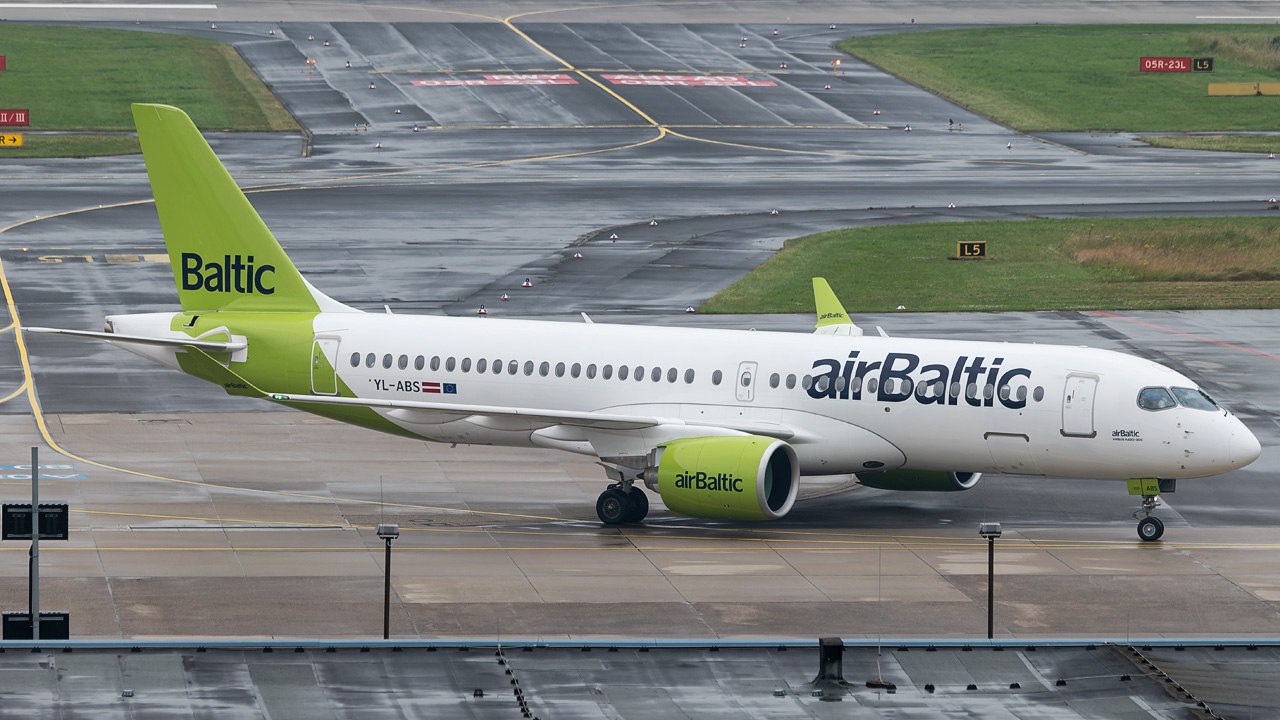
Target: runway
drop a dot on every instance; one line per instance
(191, 498)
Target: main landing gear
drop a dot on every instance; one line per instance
(622, 503)
(1149, 528)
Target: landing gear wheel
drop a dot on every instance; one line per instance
(1150, 529)
(639, 504)
(613, 507)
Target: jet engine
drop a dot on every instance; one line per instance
(920, 480)
(740, 477)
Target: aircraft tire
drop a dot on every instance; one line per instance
(613, 507)
(1150, 529)
(639, 504)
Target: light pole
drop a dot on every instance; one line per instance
(990, 531)
(387, 533)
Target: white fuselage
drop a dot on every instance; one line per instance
(897, 403)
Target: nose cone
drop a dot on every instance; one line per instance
(1243, 447)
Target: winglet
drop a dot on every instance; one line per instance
(832, 319)
(204, 366)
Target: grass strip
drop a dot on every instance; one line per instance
(73, 146)
(1076, 264)
(1086, 77)
(76, 78)
(1220, 143)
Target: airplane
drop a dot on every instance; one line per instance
(719, 423)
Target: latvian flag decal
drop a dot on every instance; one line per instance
(435, 387)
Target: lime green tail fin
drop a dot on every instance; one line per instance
(222, 254)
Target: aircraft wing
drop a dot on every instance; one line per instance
(434, 413)
(512, 418)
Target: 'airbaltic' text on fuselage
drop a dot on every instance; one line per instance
(233, 275)
(846, 381)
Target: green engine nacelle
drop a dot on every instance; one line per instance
(919, 480)
(741, 477)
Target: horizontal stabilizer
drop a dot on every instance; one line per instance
(204, 366)
(205, 345)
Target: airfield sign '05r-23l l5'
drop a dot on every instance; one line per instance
(720, 423)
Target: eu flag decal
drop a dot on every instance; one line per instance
(450, 389)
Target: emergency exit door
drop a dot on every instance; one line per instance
(1077, 406)
(324, 373)
(746, 383)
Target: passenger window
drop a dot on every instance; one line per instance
(369, 360)
(403, 362)
(820, 387)
(386, 361)
(608, 372)
(688, 376)
(481, 365)
(497, 367)
(906, 386)
(575, 370)
(656, 374)
(955, 389)
(989, 391)
(1037, 394)
(1194, 399)
(888, 385)
(450, 364)
(466, 364)
(559, 369)
(1022, 394)
(716, 377)
(528, 367)
(355, 359)
(1004, 392)
(544, 369)
(774, 380)
(971, 390)
(806, 382)
(435, 363)
(872, 383)
(672, 374)
(624, 372)
(419, 362)
(841, 383)
(639, 373)
(513, 367)
(591, 371)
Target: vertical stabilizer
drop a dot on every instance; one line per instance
(222, 254)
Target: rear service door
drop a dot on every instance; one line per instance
(746, 382)
(324, 361)
(1077, 406)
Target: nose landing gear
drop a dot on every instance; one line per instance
(1149, 528)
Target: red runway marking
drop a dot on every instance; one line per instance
(1179, 332)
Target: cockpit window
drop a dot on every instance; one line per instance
(1194, 398)
(1155, 398)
